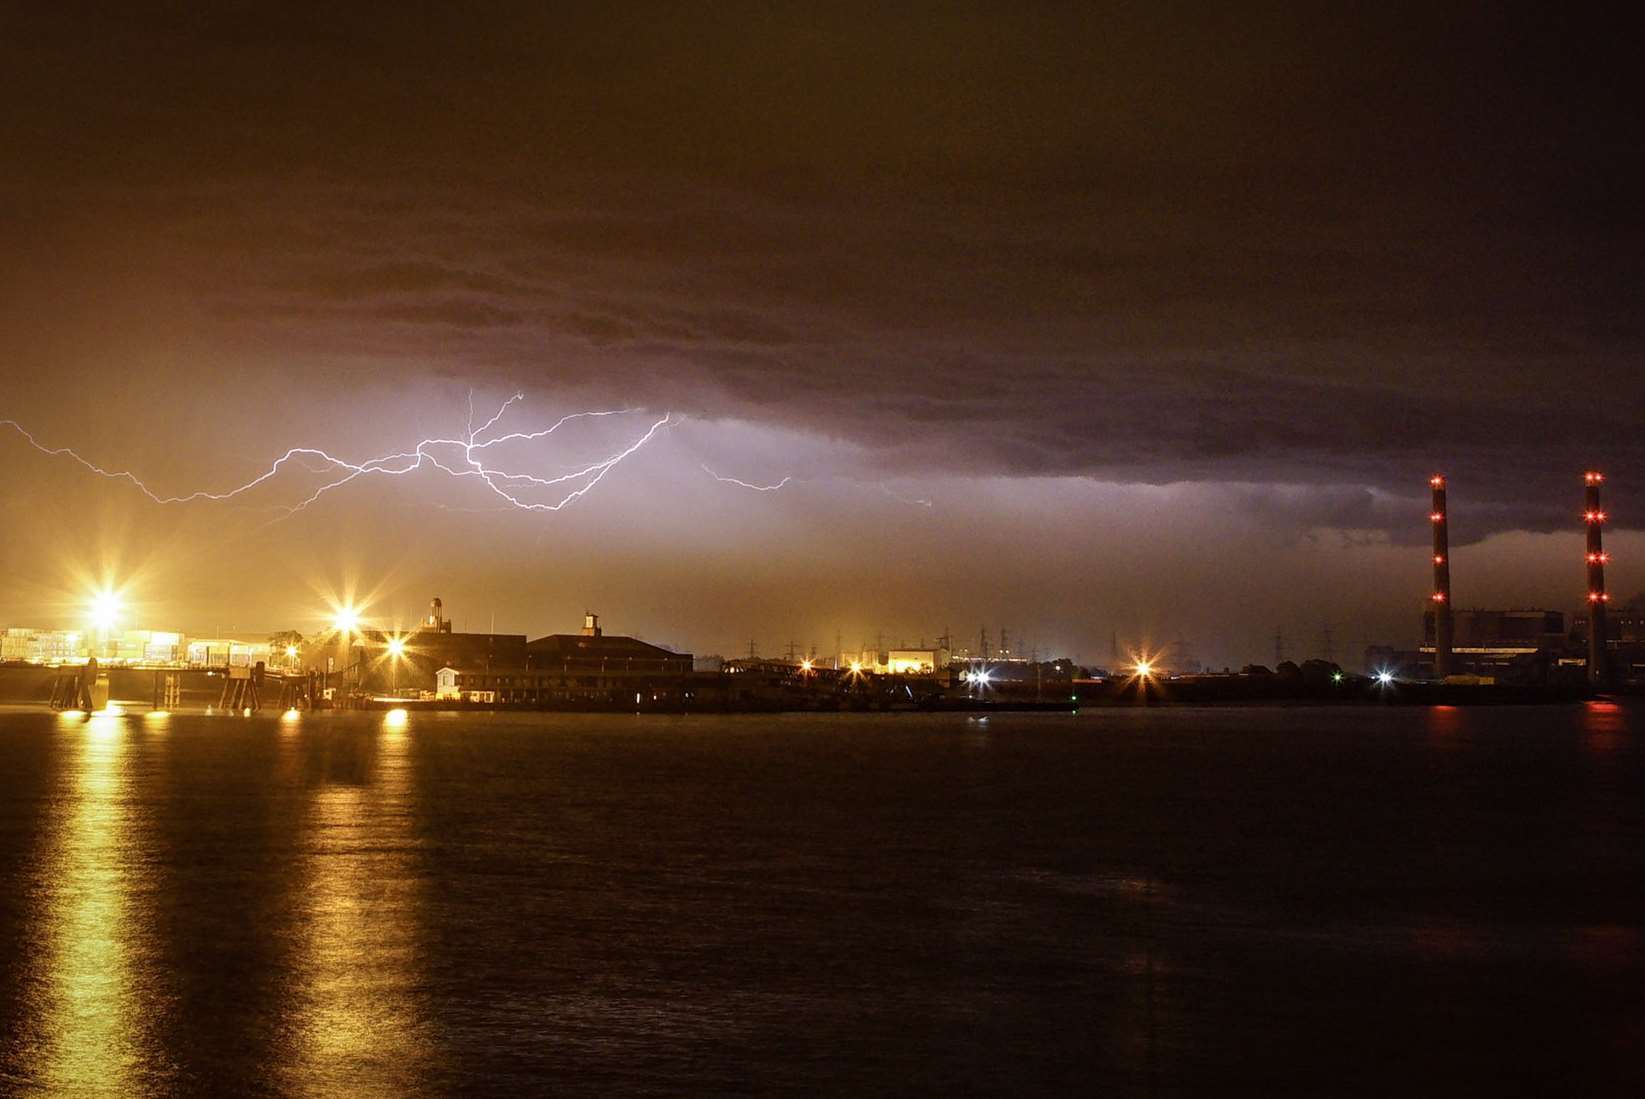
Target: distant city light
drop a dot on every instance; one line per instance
(346, 619)
(1145, 668)
(291, 651)
(1385, 678)
(395, 719)
(396, 646)
(1336, 677)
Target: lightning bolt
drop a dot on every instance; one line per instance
(745, 484)
(457, 457)
(916, 501)
(885, 488)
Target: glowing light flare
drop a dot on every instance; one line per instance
(1437, 516)
(1385, 678)
(1439, 597)
(106, 608)
(1144, 669)
(396, 647)
(345, 619)
(395, 719)
(1437, 481)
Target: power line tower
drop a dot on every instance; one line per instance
(1279, 648)
(983, 651)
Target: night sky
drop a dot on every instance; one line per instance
(1075, 319)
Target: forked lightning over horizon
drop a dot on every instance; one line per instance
(458, 457)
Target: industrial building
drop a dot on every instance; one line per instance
(20, 645)
(1624, 642)
(589, 667)
(902, 661)
(381, 660)
(1506, 646)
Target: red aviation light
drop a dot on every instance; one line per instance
(1438, 517)
(1590, 516)
(1599, 597)
(1437, 481)
(1598, 558)
(1439, 559)
(1594, 478)
(1439, 597)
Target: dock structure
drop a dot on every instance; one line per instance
(71, 687)
(168, 691)
(242, 690)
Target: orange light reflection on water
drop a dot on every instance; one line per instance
(88, 1015)
(361, 1025)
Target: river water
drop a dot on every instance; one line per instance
(1128, 902)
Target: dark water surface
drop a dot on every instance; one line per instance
(1310, 901)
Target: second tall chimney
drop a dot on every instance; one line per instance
(1594, 515)
(1442, 579)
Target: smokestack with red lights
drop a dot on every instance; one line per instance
(1442, 579)
(1594, 515)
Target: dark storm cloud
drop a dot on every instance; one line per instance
(1149, 244)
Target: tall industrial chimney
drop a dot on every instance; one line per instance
(1594, 516)
(1442, 579)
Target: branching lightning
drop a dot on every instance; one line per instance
(462, 457)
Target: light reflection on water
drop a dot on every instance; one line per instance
(1163, 901)
(360, 1023)
(91, 1028)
